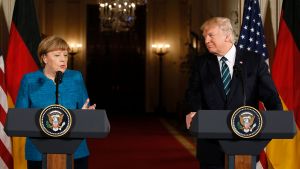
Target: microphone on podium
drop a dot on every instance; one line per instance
(58, 77)
(57, 80)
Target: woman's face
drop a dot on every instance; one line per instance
(56, 60)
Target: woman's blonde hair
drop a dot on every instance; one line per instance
(223, 23)
(49, 44)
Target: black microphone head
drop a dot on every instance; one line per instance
(58, 77)
(236, 70)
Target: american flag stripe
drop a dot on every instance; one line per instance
(263, 160)
(2, 163)
(5, 153)
(3, 103)
(6, 159)
(2, 110)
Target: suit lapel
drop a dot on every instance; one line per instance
(214, 70)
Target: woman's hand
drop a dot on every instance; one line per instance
(85, 106)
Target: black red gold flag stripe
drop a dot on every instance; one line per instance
(22, 48)
(284, 154)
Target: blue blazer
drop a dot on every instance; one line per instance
(38, 91)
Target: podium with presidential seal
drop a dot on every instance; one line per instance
(243, 133)
(57, 131)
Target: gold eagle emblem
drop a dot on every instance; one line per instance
(246, 120)
(56, 120)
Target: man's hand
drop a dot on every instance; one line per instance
(189, 118)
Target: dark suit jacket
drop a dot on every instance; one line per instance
(205, 90)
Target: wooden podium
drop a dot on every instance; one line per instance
(57, 152)
(215, 124)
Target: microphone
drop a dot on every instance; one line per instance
(57, 80)
(238, 73)
(58, 77)
(236, 70)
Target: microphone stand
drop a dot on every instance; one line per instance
(244, 83)
(56, 93)
(239, 72)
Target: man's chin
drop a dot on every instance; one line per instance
(212, 51)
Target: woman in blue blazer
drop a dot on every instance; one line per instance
(37, 90)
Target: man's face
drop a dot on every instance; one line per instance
(215, 39)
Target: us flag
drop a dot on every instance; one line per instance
(252, 39)
(252, 33)
(6, 159)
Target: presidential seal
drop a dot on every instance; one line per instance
(246, 122)
(55, 120)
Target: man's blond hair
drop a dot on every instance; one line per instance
(223, 23)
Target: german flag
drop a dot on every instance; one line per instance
(283, 154)
(21, 59)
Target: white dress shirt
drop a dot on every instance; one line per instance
(230, 56)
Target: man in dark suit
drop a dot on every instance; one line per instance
(226, 79)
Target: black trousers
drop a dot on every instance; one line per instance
(210, 154)
(80, 163)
